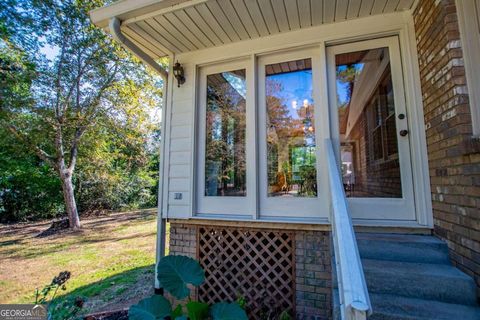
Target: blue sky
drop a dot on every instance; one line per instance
(296, 88)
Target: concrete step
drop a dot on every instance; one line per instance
(400, 247)
(393, 307)
(419, 280)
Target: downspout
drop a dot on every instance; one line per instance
(114, 25)
(115, 30)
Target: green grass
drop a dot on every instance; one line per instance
(111, 260)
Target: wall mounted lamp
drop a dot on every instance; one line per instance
(179, 73)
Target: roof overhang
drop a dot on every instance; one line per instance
(128, 9)
(165, 27)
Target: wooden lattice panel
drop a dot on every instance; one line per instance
(256, 264)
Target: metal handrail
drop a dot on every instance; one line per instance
(353, 292)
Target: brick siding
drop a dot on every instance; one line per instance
(313, 275)
(453, 163)
(183, 241)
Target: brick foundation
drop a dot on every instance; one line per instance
(454, 162)
(183, 241)
(311, 279)
(313, 275)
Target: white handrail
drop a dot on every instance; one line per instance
(354, 299)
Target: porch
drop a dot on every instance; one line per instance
(288, 124)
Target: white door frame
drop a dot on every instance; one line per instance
(379, 208)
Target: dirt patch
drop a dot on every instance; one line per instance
(111, 315)
(57, 226)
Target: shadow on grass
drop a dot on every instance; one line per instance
(61, 247)
(117, 292)
(31, 253)
(10, 242)
(124, 219)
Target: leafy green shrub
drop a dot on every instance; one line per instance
(28, 188)
(175, 273)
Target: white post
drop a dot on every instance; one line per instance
(161, 237)
(161, 221)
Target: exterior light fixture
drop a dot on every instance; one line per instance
(179, 73)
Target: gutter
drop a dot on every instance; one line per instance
(115, 30)
(114, 25)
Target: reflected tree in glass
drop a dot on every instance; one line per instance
(225, 168)
(291, 161)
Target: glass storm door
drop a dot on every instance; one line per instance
(287, 134)
(369, 127)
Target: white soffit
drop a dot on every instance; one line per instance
(184, 26)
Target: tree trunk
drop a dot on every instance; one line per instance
(69, 197)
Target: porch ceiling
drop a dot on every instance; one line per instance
(175, 26)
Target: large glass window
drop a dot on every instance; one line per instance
(368, 133)
(291, 161)
(225, 167)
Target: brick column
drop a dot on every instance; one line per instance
(313, 275)
(183, 241)
(453, 161)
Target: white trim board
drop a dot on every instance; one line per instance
(346, 31)
(469, 22)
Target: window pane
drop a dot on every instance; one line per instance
(291, 162)
(225, 171)
(368, 134)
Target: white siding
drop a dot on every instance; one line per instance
(181, 147)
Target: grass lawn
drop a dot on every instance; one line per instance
(111, 260)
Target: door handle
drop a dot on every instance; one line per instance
(403, 133)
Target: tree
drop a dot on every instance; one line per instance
(88, 80)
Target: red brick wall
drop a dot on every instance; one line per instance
(313, 275)
(454, 160)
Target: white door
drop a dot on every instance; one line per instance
(369, 128)
(288, 119)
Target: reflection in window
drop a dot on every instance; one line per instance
(225, 171)
(368, 134)
(291, 162)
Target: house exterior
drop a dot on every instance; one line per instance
(303, 137)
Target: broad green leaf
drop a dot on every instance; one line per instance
(154, 308)
(175, 272)
(197, 310)
(227, 311)
(177, 312)
(285, 316)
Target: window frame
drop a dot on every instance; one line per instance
(233, 205)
